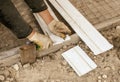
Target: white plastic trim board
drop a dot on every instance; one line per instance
(54, 38)
(94, 40)
(79, 60)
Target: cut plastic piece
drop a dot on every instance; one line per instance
(79, 60)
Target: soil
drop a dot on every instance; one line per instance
(54, 68)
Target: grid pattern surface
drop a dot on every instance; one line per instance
(97, 11)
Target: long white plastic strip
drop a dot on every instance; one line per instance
(44, 27)
(95, 41)
(79, 60)
(50, 10)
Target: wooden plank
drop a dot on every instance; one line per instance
(9, 53)
(79, 60)
(95, 41)
(107, 24)
(15, 57)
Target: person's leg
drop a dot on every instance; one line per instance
(46, 16)
(57, 27)
(39, 6)
(11, 18)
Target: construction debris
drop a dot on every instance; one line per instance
(2, 78)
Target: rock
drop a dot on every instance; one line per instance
(115, 80)
(6, 73)
(57, 80)
(10, 79)
(7, 81)
(118, 29)
(64, 47)
(2, 78)
(69, 69)
(116, 42)
(61, 49)
(107, 68)
(12, 71)
(20, 65)
(52, 81)
(26, 65)
(118, 53)
(64, 63)
(2, 68)
(104, 81)
(119, 71)
(94, 57)
(99, 77)
(99, 80)
(104, 76)
(16, 67)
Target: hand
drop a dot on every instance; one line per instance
(59, 28)
(43, 41)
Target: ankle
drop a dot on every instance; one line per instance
(31, 34)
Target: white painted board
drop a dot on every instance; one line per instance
(94, 40)
(44, 27)
(79, 60)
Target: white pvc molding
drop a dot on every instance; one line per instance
(79, 60)
(85, 30)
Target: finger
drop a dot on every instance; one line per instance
(59, 34)
(65, 31)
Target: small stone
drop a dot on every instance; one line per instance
(45, 81)
(61, 49)
(79, 42)
(114, 80)
(99, 81)
(52, 81)
(12, 71)
(64, 63)
(16, 67)
(118, 29)
(69, 69)
(9, 79)
(6, 73)
(107, 68)
(119, 71)
(2, 78)
(6, 45)
(104, 81)
(104, 76)
(94, 57)
(64, 47)
(57, 80)
(99, 77)
(26, 65)
(2, 68)
(19, 64)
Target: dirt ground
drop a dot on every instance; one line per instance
(54, 68)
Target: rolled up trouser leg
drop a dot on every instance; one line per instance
(36, 5)
(11, 18)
